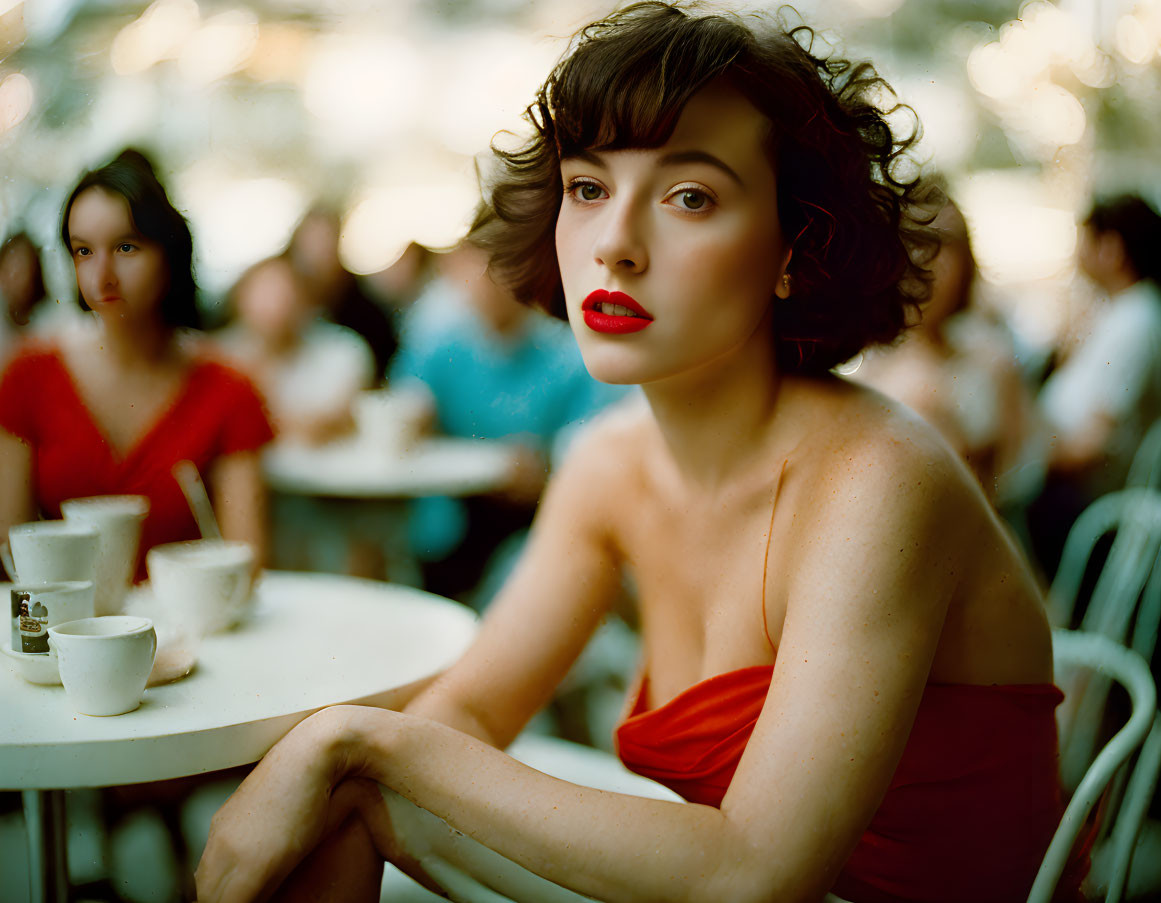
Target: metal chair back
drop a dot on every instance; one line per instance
(1102, 657)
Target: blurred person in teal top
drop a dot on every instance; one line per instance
(491, 368)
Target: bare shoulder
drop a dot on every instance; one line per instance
(873, 485)
(890, 519)
(865, 446)
(606, 458)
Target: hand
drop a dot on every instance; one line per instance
(276, 817)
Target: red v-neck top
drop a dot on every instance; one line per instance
(215, 413)
(968, 815)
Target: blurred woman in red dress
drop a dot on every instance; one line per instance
(111, 410)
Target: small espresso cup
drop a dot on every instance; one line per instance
(118, 519)
(38, 606)
(104, 662)
(48, 551)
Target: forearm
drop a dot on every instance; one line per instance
(609, 846)
(239, 498)
(16, 495)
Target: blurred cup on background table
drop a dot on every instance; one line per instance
(49, 551)
(391, 421)
(104, 662)
(118, 520)
(203, 585)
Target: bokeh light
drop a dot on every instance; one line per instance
(16, 97)
(158, 34)
(221, 46)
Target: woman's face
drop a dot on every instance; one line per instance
(671, 257)
(272, 302)
(120, 272)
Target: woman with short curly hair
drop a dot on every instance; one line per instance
(846, 668)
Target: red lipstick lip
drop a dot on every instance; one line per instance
(612, 324)
(601, 295)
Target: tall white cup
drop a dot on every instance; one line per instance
(104, 662)
(49, 551)
(202, 585)
(118, 520)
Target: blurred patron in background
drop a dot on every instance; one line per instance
(1105, 393)
(399, 285)
(308, 370)
(314, 251)
(112, 409)
(955, 366)
(21, 288)
(491, 368)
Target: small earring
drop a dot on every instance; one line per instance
(786, 284)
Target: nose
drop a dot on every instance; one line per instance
(106, 276)
(621, 242)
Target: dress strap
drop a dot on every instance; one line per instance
(766, 557)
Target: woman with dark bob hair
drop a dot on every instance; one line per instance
(111, 410)
(847, 670)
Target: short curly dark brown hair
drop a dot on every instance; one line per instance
(856, 222)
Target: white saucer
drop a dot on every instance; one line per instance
(36, 668)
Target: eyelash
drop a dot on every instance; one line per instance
(85, 252)
(711, 201)
(574, 185)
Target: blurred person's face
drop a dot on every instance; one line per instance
(671, 257)
(949, 272)
(316, 249)
(466, 268)
(120, 272)
(18, 280)
(1101, 255)
(272, 305)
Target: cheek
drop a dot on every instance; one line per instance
(154, 278)
(567, 240)
(741, 263)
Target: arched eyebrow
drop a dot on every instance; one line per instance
(673, 158)
(127, 237)
(696, 156)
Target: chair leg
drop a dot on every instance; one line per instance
(1142, 784)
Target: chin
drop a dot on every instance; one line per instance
(618, 366)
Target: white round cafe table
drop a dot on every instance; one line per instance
(358, 469)
(311, 640)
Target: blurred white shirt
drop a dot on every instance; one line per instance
(1116, 372)
(328, 367)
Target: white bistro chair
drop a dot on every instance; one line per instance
(1126, 601)
(1145, 469)
(1102, 657)
(1135, 516)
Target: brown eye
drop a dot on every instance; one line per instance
(692, 200)
(589, 192)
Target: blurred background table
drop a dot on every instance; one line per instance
(310, 641)
(357, 469)
(343, 507)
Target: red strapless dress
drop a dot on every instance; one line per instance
(969, 813)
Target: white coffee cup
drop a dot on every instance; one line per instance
(104, 662)
(391, 420)
(38, 606)
(48, 551)
(202, 585)
(118, 520)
